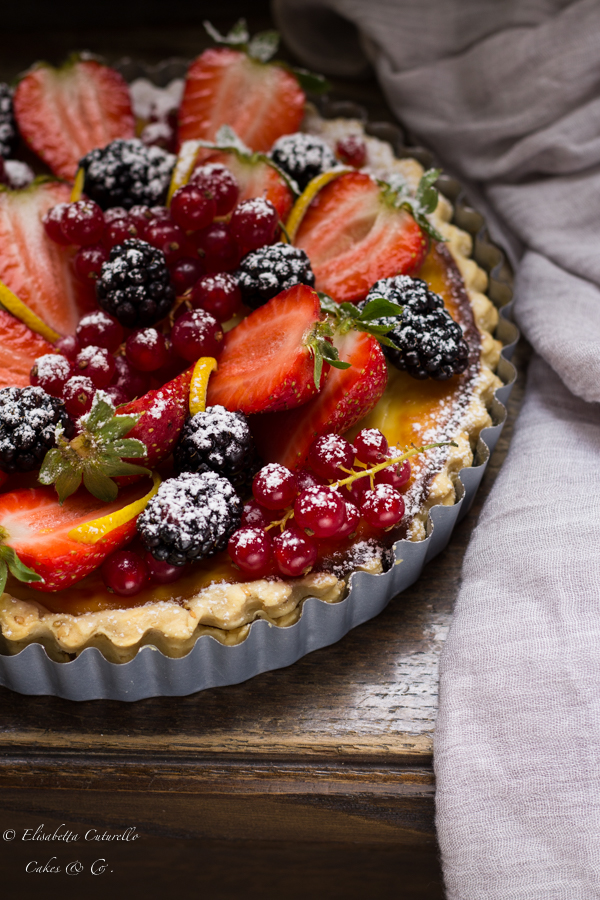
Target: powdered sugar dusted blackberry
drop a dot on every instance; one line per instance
(28, 420)
(302, 157)
(217, 440)
(190, 517)
(126, 173)
(134, 285)
(266, 272)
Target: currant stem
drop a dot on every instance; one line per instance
(373, 470)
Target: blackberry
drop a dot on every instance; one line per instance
(190, 517)
(302, 156)
(134, 284)
(266, 272)
(8, 127)
(218, 441)
(28, 418)
(127, 173)
(428, 342)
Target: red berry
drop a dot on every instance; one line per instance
(382, 507)
(357, 488)
(141, 216)
(129, 380)
(146, 349)
(124, 573)
(160, 572)
(219, 181)
(254, 223)
(196, 334)
(327, 453)
(78, 394)
(98, 329)
(307, 479)
(254, 516)
(294, 552)
(352, 150)
(250, 549)
(168, 237)
(115, 213)
(158, 213)
(192, 208)
(51, 372)
(68, 346)
(217, 247)
(321, 510)
(396, 475)
(186, 272)
(88, 262)
(351, 521)
(275, 487)
(173, 367)
(97, 364)
(117, 395)
(218, 294)
(83, 223)
(119, 230)
(53, 224)
(371, 446)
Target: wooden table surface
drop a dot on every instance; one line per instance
(315, 780)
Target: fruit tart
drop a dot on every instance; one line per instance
(244, 352)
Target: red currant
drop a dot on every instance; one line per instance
(371, 446)
(141, 216)
(218, 294)
(168, 237)
(88, 262)
(196, 334)
(114, 213)
(124, 573)
(396, 475)
(97, 364)
(68, 346)
(321, 510)
(352, 150)
(53, 220)
(382, 507)
(218, 180)
(357, 488)
(192, 208)
(51, 372)
(78, 394)
(351, 521)
(275, 486)
(294, 552)
(307, 479)
(254, 516)
(160, 572)
(119, 230)
(146, 350)
(98, 329)
(250, 549)
(254, 223)
(83, 223)
(328, 453)
(132, 382)
(186, 272)
(117, 395)
(217, 247)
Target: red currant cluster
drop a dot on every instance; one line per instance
(352, 150)
(126, 572)
(290, 510)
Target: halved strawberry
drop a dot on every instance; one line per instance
(260, 101)
(346, 398)
(353, 236)
(36, 269)
(267, 361)
(164, 413)
(36, 526)
(64, 113)
(256, 178)
(19, 348)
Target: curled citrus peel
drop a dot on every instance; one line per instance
(307, 196)
(94, 531)
(22, 312)
(77, 190)
(184, 166)
(199, 383)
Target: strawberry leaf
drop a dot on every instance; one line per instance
(237, 37)
(100, 485)
(311, 82)
(263, 46)
(378, 308)
(10, 560)
(421, 205)
(66, 483)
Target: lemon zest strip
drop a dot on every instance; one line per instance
(77, 190)
(21, 311)
(199, 383)
(308, 195)
(92, 532)
(184, 166)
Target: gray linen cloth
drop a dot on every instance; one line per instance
(507, 94)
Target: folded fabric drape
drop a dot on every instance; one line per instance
(507, 95)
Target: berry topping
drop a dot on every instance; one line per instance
(352, 150)
(275, 487)
(321, 510)
(134, 285)
(169, 238)
(254, 223)
(97, 364)
(78, 395)
(330, 455)
(218, 294)
(88, 262)
(217, 247)
(162, 572)
(146, 350)
(51, 372)
(127, 173)
(266, 272)
(190, 517)
(8, 128)
(124, 573)
(428, 342)
(82, 223)
(218, 181)
(192, 207)
(119, 230)
(250, 550)
(129, 380)
(185, 272)
(253, 515)
(371, 445)
(28, 420)
(195, 334)
(100, 330)
(294, 552)
(302, 156)
(53, 220)
(69, 346)
(217, 441)
(382, 507)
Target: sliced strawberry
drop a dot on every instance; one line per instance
(19, 349)
(64, 113)
(164, 413)
(353, 237)
(267, 362)
(256, 178)
(260, 101)
(36, 526)
(35, 268)
(346, 398)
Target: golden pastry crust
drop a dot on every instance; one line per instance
(227, 610)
